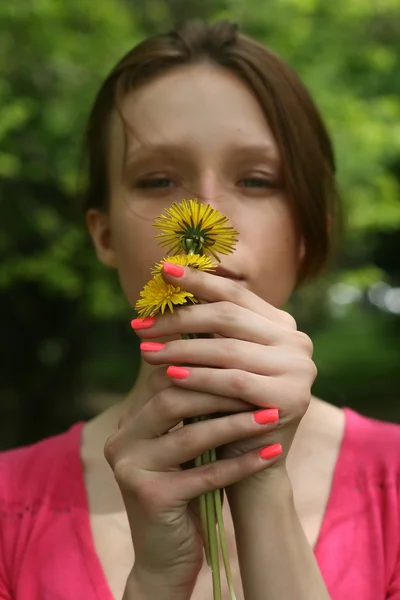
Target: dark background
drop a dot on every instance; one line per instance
(67, 349)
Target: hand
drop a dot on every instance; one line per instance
(146, 458)
(259, 357)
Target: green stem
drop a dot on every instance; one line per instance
(202, 499)
(210, 515)
(212, 534)
(222, 536)
(204, 517)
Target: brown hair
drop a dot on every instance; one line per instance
(308, 162)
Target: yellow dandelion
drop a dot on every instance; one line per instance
(196, 229)
(157, 295)
(196, 261)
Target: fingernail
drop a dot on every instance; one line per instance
(178, 372)
(142, 323)
(174, 270)
(270, 415)
(151, 346)
(271, 451)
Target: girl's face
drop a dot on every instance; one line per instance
(197, 132)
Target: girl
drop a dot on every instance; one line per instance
(311, 490)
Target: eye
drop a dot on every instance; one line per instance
(155, 183)
(257, 182)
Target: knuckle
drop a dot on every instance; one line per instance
(225, 472)
(211, 476)
(313, 370)
(125, 474)
(288, 320)
(239, 381)
(234, 291)
(231, 346)
(300, 343)
(302, 397)
(304, 365)
(166, 404)
(144, 488)
(185, 436)
(304, 341)
(226, 312)
(111, 448)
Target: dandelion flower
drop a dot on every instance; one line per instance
(196, 261)
(157, 295)
(195, 229)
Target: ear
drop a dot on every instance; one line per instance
(98, 223)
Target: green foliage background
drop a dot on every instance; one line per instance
(65, 325)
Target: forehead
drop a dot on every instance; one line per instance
(202, 106)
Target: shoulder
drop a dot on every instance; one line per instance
(356, 448)
(37, 492)
(368, 491)
(361, 443)
(374, 443)
(30, 471)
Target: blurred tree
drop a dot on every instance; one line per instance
(53, 56)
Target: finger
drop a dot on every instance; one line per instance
(192, 483)
(223, 353)
(192, 440)
(211, 288)
(172, 405)
(156, 382)
(223, 318)
(291, 395)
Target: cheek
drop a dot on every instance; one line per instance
(136, 252)
(277, 259)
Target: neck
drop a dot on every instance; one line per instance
(139, 393)
(100, 427)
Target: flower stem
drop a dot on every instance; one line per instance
(210, 506)
(199, 461)
(212, 535)
(204, 516)
(222, 536)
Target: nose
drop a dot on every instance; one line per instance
(211, 190)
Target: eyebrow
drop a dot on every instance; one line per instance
(265, 150)
(151, 149)
(262, 149)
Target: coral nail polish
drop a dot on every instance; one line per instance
(270, 415)
(271, 451)
(151, 346)
(172, 269)
(177, 372)
(142, 323)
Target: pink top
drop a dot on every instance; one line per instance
(47, 550)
